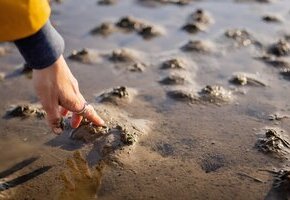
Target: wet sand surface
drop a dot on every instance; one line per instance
(199, 143)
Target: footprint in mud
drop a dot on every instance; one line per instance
(86, 56)
(104, 29)
(174, 79)
(280, 48)
(107, 2)
(242, 37)
(242, 79)
(210, 94)
(272, 19)
(274, 61)
(213, 162)
(80, 182)
(198, 21)
(25, 111)
(198, 46)
(174, 63)
(117, 96)
(274, 141)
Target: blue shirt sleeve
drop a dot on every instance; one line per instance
(43, 48)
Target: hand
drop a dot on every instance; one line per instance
(59, 93)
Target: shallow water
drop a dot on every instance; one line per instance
(192, 151)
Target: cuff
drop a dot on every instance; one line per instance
(41, 49)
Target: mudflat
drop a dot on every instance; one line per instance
(194, 95)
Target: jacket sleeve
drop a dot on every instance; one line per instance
(41, 49)
(26, 22)
(22, 18)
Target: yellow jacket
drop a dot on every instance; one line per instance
(22, 18)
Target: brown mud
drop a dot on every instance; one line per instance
(197, 140)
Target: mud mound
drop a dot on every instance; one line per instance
(117, 95)
(215, 94)
(173, 79)
(274, 61)
(198, 46)
(243, 79)
(105, 29)
(241, 37)
(198, 21)
(124, 56)
(86, 56)
(174, 63)
(274, 141)
(25, 111)
(281, 48)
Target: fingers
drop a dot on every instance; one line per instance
(63, 111)
(76, 120)
(92, 116)
(54, 119)
(75, 105)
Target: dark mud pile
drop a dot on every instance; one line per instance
(194, 95)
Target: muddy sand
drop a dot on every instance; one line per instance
(199, 110)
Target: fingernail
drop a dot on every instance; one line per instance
(57, 130)
(102, 122)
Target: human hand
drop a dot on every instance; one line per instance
(59, 93)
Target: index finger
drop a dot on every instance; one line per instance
(93, 117)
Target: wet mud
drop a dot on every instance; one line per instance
(181, 123)
(80, 182)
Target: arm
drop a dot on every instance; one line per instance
(54, 83)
